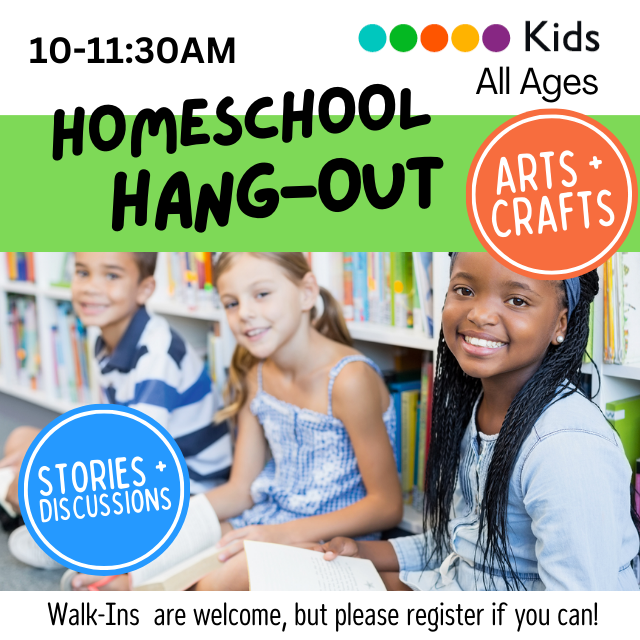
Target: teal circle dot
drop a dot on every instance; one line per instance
(403, 37)
(372, 38)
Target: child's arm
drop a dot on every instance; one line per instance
(575, 488)
(357, 401)
(234, 497)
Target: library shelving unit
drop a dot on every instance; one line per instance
(381, 343)
(192, 322)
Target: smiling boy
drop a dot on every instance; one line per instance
(144, 364)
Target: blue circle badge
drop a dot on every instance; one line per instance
(104, 489)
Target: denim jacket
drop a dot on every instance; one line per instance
(568, 513)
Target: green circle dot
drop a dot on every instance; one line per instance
(403, 37)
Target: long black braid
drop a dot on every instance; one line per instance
(454, 396)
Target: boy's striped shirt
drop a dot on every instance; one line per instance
(154, 370)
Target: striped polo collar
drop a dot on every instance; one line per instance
(124, 356)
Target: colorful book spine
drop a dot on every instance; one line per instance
(360, 287)
(409, 424)
(374, 282)
(624, 415)
(208, 270)
(69, 392)
(609, 345)
(71, 351)
(347, 306)
(84, 360)
(638, 486)
(402, 289)
(190, 277)
(20, 266)
(423, 279)
(422, 426)
(385, 287)
(589, 349)
(23, 337)
(397, 389)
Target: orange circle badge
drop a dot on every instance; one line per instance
(551, 194)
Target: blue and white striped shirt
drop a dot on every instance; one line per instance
(155, 371)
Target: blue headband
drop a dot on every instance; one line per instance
(572, 287)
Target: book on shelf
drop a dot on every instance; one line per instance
(190, 277)
(637, 484)
(412, 403)
(215, 357)
(23, 341)
(401, 264)
(388, 288)
(347, 306)
(66, 270)
(20, 266)
(624, 415)
(423, 275)
(71, 362)
(360, 287)
(589, 349)
(278, 567)
(622, 309)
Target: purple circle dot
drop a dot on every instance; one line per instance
(496, 38)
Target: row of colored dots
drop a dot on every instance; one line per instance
(434, 38)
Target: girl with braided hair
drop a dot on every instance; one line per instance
(527, 485)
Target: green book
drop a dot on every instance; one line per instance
(589, 348)
(625, 417)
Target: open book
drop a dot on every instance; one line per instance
(272, 567)
(277, 567)
(191, 556)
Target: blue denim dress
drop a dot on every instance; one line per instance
(568, 513)
(314, 468)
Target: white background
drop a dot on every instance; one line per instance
(617, 614)
(296, 45)
(292, 45)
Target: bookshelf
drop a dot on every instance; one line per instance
(381, 343)
(193, 324)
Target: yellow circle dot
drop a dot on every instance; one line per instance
(397, 286)
(465, 37)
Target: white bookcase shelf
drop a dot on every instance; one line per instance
(378, 341)
(622, 371)
(398, 336)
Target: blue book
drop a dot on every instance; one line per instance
(360, 286)
(396, 389)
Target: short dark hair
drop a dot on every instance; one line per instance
(146, 262)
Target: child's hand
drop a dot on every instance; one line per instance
(233, 542)
(339, 547)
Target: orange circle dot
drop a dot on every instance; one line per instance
(465, 37)
(434, 38)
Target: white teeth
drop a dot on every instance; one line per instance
(479, 342)
(254, 332)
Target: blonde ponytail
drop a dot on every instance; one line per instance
(330, 324)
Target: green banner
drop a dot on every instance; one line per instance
(68, 204)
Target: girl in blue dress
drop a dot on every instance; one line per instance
(315, 423)
(528, 486)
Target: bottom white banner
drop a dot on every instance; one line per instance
(319, 614)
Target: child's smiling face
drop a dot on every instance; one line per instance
(498, 322)
(106, 289)
(264, 307)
